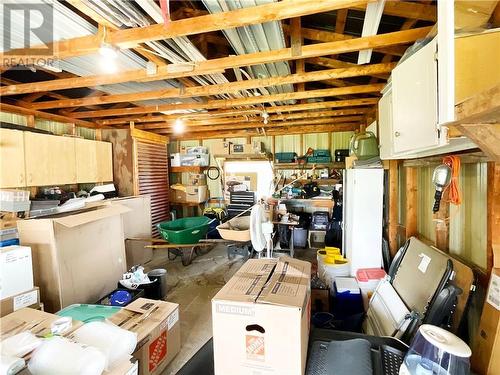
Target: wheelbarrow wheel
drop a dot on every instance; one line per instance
(187, 255)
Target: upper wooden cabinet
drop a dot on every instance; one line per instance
(93, 161)
(12, 170)
(50, 159)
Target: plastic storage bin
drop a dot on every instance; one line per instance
(368, 279)
(347, 300)
(187, 230)
(88, 313)
(285, 157)
(300, 237)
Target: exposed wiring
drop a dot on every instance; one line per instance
(454, 194)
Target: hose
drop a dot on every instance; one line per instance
(454, 194)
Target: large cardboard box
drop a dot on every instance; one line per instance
(485, 357)
(30, 298)
(262, 326)
(136, 224)
(177, 195)
(476, 63)
(39, 322)
(16, 270)
(77, 257)
(220, 147)
(158, 332)
(196, 194)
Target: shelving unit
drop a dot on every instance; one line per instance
(242, 157)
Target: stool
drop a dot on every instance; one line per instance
(316, 238)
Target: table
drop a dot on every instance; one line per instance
(291, 225)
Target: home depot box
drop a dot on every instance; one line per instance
(77, 257)
(220, 147)
(30, 298)
(261, 327)
(485, 358)
(16, 270)
(158, 332)
(129, 366)
(39, 322)
(177, 193)
(196, 194)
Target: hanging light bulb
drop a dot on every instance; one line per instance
(179, 126)
(108, 51)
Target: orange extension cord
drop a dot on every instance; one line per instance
(454, 195)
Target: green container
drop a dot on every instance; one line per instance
(188, 230)
(88, 313)
(364, 145)
(319, 159)
(285, 157)
(321, 153)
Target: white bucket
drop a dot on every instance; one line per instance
(328, 272)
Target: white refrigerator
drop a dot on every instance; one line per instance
(363, 196)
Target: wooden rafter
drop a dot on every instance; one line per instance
(228, 103)
(231, 87)
(218, 65)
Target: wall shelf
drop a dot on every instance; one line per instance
(280, 166)
(194, 169)
(231, 157)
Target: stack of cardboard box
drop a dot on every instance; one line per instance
(156, 323)
(18, 290)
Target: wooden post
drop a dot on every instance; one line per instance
(493, 224)
(411, 202)
(98, 134)
(30, 121)
(392, 230)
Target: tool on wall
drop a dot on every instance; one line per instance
(441, 179)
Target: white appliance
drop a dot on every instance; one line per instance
(363, 206)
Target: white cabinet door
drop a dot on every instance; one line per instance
(415, 104)
(385, 126)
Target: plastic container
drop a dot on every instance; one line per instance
(188, 230)
(368, 280)
(319, 159)
(321, 152)
(237, 229)
(88, 313)
(285, 157)
(160, 275)
(364, 145)
(347, 299)
(328, 272)
(300, 237)
(113, 299)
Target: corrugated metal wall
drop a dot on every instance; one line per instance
(467, 222)
(51, 126)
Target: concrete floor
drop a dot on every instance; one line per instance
(193, 287)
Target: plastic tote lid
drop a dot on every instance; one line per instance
(445, 341)
(370, 274)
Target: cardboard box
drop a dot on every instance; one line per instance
(197, 179)
(263, 326)
(38, 320)
(175, 160)
(485, 358)
(177, 195)
(158, 332)
(476, 64)
(77, 257)
(16, 270)
(241, 149)
(196, 194)
(136, 224)
(220, 147)
(127, 367)
(30, 298)
(202, 160)
(349, 160)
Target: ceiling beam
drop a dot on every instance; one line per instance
(48, 116)
(330, 36)
(270, 125)
(205, 116)
(407, 9)
(130, 38)
(336, 64)
(228, 103)
(232, 87)
(219, 65)
(285, 130)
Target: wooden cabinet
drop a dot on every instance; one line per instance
(50, 159)
(12, 171)
(94, 161)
